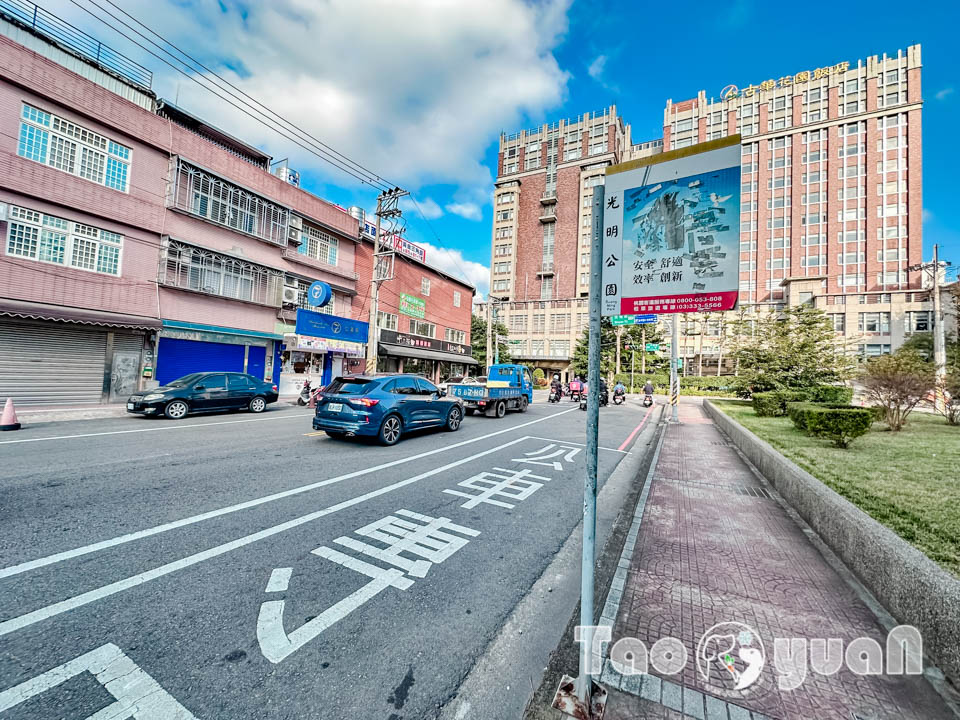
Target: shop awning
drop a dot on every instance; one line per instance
(82, 316)
(424, 354)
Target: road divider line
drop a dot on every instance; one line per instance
(637, 428)
(58, 608)
(154, 429)
(173, 525)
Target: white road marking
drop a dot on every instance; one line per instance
(154, 429)
(569, 442)
(510, 484)
(427, 540)
(279, 580)
(58, 608)
(156, 530)
(138, 695)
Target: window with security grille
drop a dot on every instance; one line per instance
(191, 268)
(63, 145)
(319, 245)
(200, 193)
(51, 239)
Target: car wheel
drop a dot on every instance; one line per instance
(257, 405)
(390, 430)
(501, 409)
(454, 418)
(523, 403)
(176, 410)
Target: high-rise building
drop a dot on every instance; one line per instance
(539, 272)
(831, 202)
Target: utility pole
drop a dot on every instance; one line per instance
(939, 330)
(387, 208)
(619, 336)
(643, 341)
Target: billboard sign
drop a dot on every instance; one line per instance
(671, 231)
(412, 306)
(398, 243)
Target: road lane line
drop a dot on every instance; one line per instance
(140, 534)
(153, 429)
(58, 608)
(637, 428)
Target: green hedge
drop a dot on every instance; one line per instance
(774, 404)
(831, 394)
(692, 385)
(839, 423)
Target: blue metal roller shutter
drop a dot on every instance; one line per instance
(177, 358)
(257, 361)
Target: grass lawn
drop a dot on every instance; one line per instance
(907, 480)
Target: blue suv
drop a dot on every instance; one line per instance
(385, 407)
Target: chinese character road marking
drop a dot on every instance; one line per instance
(511, 485)
(429, 538)
(138, 695)
(545, 454)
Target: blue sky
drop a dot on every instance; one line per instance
(419, 92)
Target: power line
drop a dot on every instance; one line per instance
(465, 275)
(226, 82)
(213, 90)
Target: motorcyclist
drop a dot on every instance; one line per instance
(619, 388)
(555, 386)
(648, 392)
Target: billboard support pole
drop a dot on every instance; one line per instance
(674, 375)
(588, 556)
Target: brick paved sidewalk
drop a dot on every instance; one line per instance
(715, 546)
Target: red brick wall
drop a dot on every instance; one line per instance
(407, 276)
(529, 231)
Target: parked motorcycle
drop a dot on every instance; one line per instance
(306, 392)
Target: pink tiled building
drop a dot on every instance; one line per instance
(140, 243)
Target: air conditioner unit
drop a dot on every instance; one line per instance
(294, 228)
(3, 212)
(290, 295)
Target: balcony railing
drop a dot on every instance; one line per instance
(548, 214)
(546, 268)
(549, 197)
(76, 41)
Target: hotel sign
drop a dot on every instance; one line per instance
(732, 91)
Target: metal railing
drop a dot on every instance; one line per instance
(63, 33)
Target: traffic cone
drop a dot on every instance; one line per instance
(9, 419)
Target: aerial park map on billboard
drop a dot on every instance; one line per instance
(672, 231)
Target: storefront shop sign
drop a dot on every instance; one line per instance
(417, 341)
(412, 306)
(319, 325)
(344, 347)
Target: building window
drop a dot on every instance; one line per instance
(539, 323)
(501, 285)
(918, 321)
(537, 348)
(560, 323)
(585, 279)
(839, 321)
(456, 298)
(502, 250)
(425, 286)
(388, 321)
(420, 327)
(455, 336)
(504, 215)
(501, 268)
(319, 245)
(518, 323)
(504, 232)
(546, 288)
(56, 142)
(505, 198)
(876, 322)
(207, 196)
(192, 268)
(45, 238)
(560, 348)
(874, 350)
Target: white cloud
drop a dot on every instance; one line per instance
(468, 210)
(943, 94)
(453, 262)
(415, 91)
(428, 206)
(926, 216)
(596, 67)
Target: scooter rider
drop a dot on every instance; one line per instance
(648, 394)
(556, 389)
(619, 392)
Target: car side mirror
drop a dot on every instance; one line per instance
(199, 387)
(441, 393)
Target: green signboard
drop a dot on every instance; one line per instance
(652, 347)
(413, 306)
(679, 363)
(622, 319)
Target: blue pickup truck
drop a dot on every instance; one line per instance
(508, 387)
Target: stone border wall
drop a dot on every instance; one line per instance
(914, 589)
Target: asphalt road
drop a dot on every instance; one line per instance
(238, 566)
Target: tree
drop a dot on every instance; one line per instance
(923, 344)
(952, 402)
(608, 347)
(795, 349)
(722, 325)
(898, 382)
(478, 340)
(635, 338)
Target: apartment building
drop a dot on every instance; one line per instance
(540, 258)
(141, 243)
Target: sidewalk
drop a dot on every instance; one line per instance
(714, 546)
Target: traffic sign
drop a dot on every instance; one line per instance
(617, 320)
(652, 347)
(679, 363)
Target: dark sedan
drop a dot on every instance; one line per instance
(385, 407)
(204, 392)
